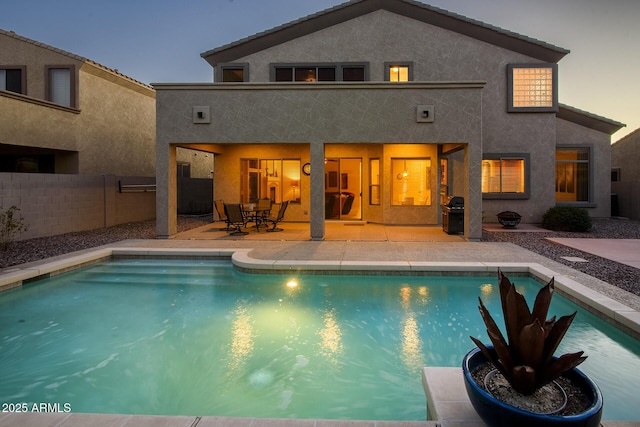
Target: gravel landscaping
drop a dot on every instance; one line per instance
(620, 275)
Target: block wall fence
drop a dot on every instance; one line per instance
(53, 204)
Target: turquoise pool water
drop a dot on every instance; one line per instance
(195, 337)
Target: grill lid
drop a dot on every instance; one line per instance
(454, 202)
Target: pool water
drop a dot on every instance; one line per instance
(194, 337)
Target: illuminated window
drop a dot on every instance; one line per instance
(573, 174)
(374, 181)
(398, 71)
(533, 87)
(232, 73)
(275, 179)
(505, 176)
(411, 182)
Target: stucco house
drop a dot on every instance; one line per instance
(376, 111)
(70, 131)
(625, 176)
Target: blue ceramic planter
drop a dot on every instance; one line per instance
(498, 414)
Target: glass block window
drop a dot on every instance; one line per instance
(533, 87)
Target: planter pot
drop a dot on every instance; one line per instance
(509, 219)
(496, 413)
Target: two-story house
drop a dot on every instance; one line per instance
(376, 110)
(70, 131)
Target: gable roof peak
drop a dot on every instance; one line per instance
(409, 8)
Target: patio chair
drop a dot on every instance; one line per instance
(219, 204)
(235, 219)
(279, 217)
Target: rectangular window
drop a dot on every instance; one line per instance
(398, 71)
(533, 87)
(411, 182)
(505, 176)
(232, 72)
(348, 72)
(11, 79)
(573, 175)
(232, 75)
(374, 181)
(275, 179)
(61, 86)
(353, 74)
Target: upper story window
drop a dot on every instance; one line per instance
(319, 72)
(532, 87)
(398, 71)
(61, 85)
(12, 79)
(505, 176)
(232, 73)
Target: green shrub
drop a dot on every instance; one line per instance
(11, 223)
(566, 218)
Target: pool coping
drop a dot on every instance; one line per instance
(614, 311)
(438, 397)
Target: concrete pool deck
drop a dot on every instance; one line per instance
(443, 386)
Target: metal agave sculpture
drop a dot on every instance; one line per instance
(526, 360)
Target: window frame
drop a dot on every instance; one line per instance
(338, 66)
(72, 84)
(387, 70)
(591, 175)
(526, 194)
(554, 85)
(23, 77)
(398, 175)
(244, 66)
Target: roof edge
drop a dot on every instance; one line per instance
(590, 120)
(409, 8)
(16, 36)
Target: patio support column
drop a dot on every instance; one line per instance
(473, 191)
(316, 227)
(166, 192)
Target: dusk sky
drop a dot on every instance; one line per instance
(160, 41)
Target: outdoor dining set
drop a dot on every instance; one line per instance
(262, 213)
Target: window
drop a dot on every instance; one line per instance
(232, 73)
(398, 71)
(374, 181)
(12, 79)
(573, 174)
(411, 182)
(505, 176)
(319, 73)
(532, 87)
(61, 86)
(275, 179)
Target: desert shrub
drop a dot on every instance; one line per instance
(11, 224)
(566, 218)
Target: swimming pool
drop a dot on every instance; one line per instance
(200, 338)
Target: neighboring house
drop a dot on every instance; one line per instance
(70, 129)
(376, 111)
(625, 176)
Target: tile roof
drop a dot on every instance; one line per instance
(70, 55)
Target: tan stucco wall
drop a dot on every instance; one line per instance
(111, 126)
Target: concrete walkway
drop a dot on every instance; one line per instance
(624, 251)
